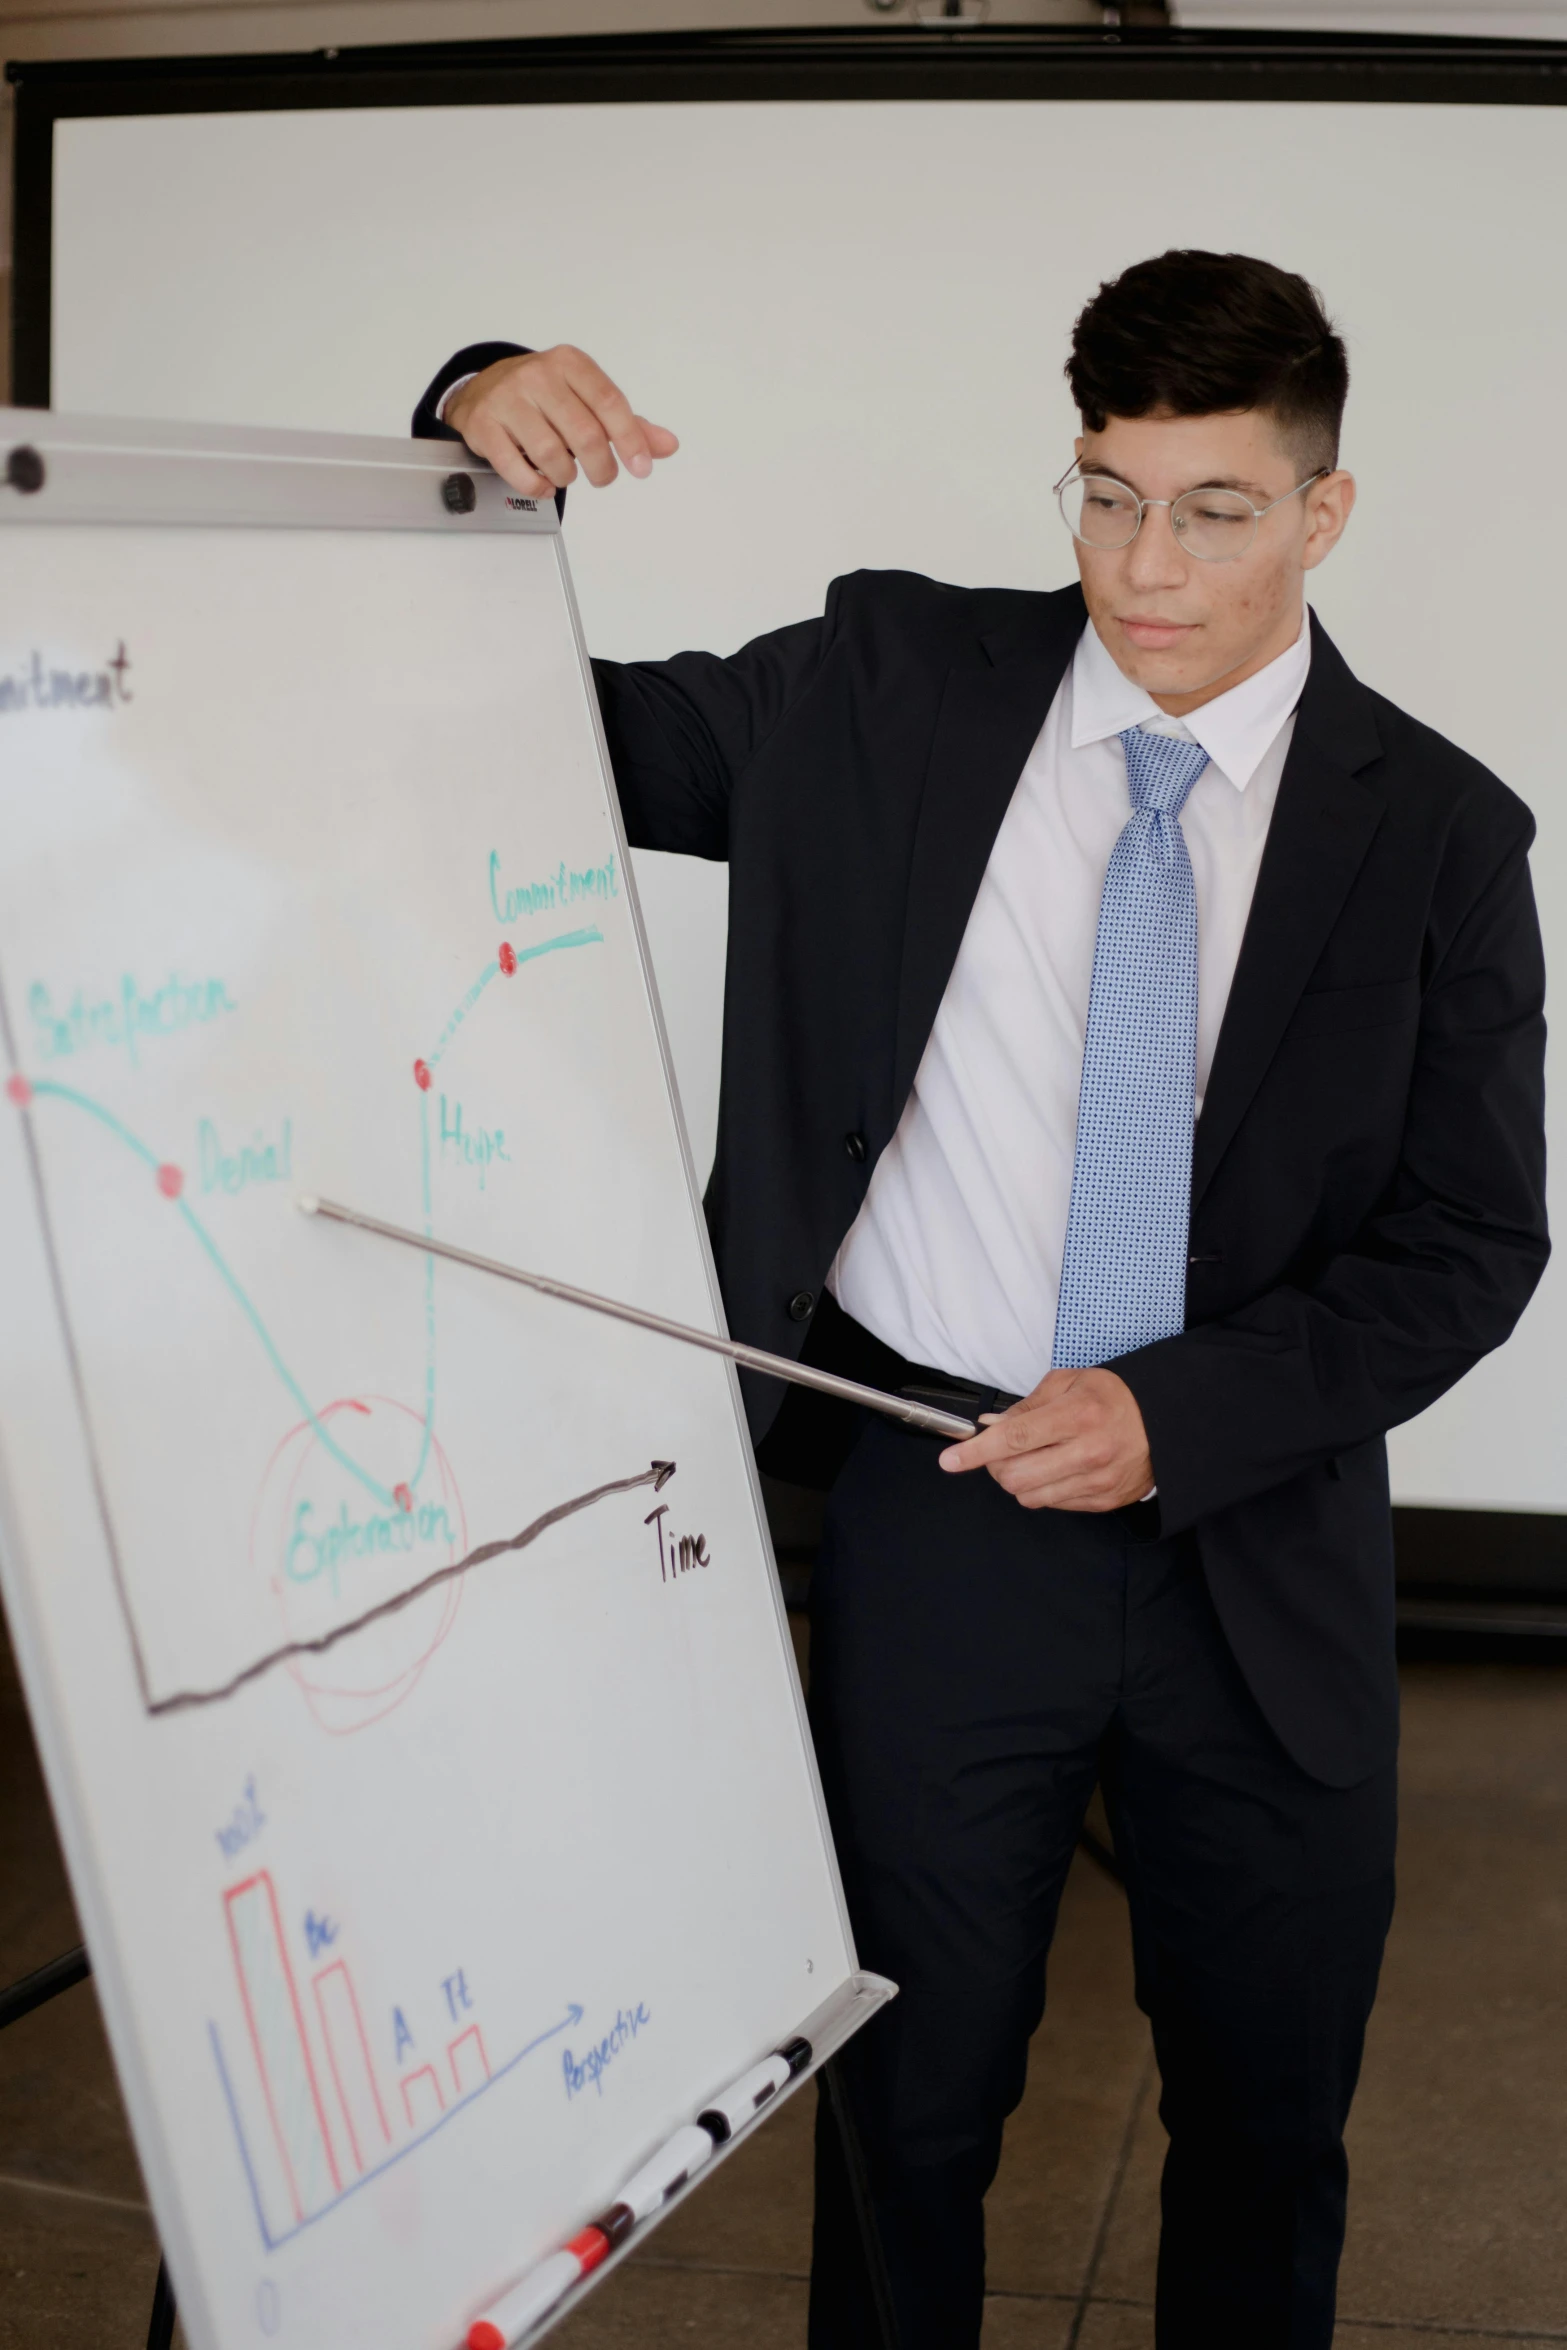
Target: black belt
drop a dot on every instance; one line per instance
(839, 1343)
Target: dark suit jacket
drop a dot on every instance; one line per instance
(1368, 1212)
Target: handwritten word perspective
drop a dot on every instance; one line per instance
(587, 2072)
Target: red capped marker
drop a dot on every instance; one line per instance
(505, 2320)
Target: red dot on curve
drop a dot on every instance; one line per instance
(403, 1498)
(19, 1091)
(507, 958)
(422, 1075)
(171, 1182)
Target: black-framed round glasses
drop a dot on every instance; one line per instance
(1213, 525)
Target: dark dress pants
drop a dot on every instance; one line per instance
(975, 1667)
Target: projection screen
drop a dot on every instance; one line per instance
(854, 310)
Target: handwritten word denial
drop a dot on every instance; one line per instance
(587, 2072)
(127, 1019)
(40, 686)
(563, 887)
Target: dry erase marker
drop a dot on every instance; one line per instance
(510, 2317)
(668, 2169)
(750, 2093)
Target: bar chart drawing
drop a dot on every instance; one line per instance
(469, 2063)
(279, 2043)
(422, 2099)
(353, 2069)
(309, 2116)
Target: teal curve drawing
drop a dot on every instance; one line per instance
(507, 959)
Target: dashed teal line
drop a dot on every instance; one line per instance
(133, 1142)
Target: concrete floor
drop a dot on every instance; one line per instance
(1459, 2140)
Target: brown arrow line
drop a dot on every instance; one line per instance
(657, 1474)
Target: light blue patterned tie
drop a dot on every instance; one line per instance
(1123, 1271)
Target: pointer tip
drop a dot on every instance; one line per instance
(308, 1204)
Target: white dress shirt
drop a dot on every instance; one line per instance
(955, 1257)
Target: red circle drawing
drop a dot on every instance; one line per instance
(170, 1181)
(333, 1554)
(507, 958)
(19, 1090)
(422, 1075)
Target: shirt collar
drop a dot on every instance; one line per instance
(1235, 729)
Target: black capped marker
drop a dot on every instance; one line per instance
(751, 2092)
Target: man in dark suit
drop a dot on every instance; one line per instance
(1019, 885)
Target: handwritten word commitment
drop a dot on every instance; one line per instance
(587, 2072)
(561, 888)
(254, 1162)
(313, 1551)
(477, 1148)
(677, 1553)
(38, 687)
(125, 1020)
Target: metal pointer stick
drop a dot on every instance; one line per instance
(754, 1358)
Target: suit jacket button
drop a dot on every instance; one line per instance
(854, 1144)
(801, 1306)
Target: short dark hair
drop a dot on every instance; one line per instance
(1196, 334)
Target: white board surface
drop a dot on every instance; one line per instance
(855, 315)
(424, 1896)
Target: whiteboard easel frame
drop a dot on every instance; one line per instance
(107, 471)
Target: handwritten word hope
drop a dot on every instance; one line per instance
(587, 2072)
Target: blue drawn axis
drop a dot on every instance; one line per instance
(273, 2243)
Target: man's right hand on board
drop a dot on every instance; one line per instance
(541, 416)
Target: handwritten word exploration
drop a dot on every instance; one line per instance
(126, 1020)
(41, 687)
(564, 887)
(477, 1147)
(587, 2072)
(314, 1550)
(254, 1161)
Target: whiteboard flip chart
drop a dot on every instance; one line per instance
(405, 1649)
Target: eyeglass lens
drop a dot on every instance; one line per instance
(1211, 524)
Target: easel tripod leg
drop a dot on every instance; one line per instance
(837, 2096)
(160, 2330)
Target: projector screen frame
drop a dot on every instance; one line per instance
(1481, 1570)
(982, 62)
